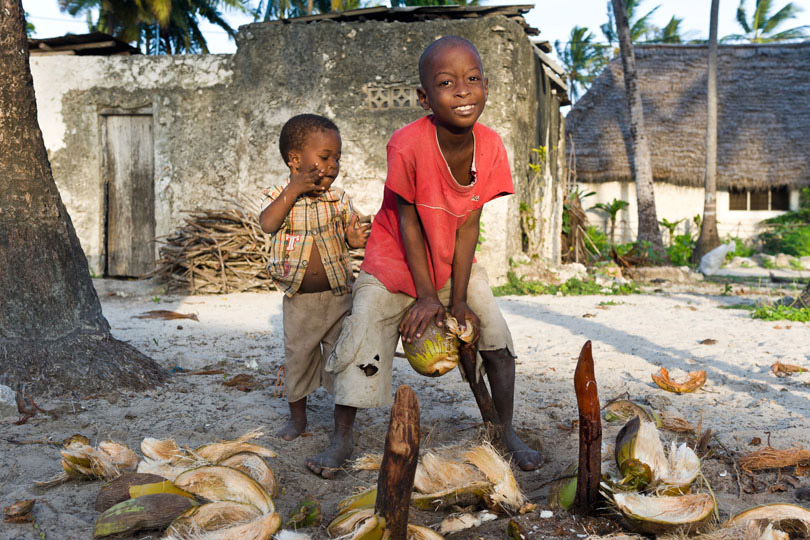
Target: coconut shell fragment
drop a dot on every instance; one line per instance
(694, 381)
(624, 409)
(657, 515)
(791, 518)
(150, 512)
(116, 491)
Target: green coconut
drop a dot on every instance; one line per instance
(564, 490)
(434, 353)
(644, 464)
(658, 515)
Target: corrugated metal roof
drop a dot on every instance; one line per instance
(94, 43)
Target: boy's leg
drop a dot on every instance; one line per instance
(308, 319)
(297, 423)
(362, 363)
(497, 353)
(500, 367)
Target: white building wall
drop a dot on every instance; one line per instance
(674, 203)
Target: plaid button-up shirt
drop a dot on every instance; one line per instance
(322, 220)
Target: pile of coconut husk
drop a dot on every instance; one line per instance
(220, 251)
(477, 478)
(222, 490)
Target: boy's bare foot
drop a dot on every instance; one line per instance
(327, 463)
(292, 429)
(297, 422)
(525, 457)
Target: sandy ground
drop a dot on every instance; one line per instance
(241, 333)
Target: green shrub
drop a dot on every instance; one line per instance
(782, 313)
(793, 240)
(599, 239)
(681, 249)
(743, 248)
(516, 285)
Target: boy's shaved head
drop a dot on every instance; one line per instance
(441, 44)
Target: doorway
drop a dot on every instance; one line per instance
(129, 181)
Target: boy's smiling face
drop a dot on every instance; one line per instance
(321, 151)
(454, 86)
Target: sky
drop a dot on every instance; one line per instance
(554, 19)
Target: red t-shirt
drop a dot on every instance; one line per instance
(418, 172)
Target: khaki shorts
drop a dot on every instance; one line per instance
(370, 334)
(312, 324)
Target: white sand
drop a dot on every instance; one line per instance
(631, 340)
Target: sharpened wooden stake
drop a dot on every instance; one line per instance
(590, 433)
(467, 354)
(398, 468)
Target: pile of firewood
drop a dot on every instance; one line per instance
(220, 251)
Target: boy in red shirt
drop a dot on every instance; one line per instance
(442, 168)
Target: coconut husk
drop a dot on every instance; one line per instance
(368, 462)
(149, 512)
(675, 423)
(694, 381)
(771, 458)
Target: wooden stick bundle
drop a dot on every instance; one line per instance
(220, 251)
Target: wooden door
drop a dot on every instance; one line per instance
(129, 169)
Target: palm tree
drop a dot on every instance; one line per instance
(761, 27)
(54, 336)
(583, 59)
(639, 26)
(709, 239)
(612, 209)
(671, 33)
(649, 234)
(162, 26)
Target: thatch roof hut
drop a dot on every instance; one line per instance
(763, 121)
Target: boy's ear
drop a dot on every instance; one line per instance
(294, 159)
(486, 87)
(423, 98)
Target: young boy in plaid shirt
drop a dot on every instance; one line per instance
(312, 226)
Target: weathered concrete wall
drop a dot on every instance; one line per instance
(193, 132)
(217, 118)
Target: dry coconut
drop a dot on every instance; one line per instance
(225, 484)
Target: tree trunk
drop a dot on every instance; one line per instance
(310, 6)
(640, 162)
(53, 335)
(709, 239)
(398, 467)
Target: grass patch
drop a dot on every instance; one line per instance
(518, 286)
(747, 307)
(610, 303)
(781, 313)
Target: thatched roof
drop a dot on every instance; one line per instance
(763, 116)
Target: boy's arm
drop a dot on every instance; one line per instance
(466, 240)
(274, 215)
(427, 304)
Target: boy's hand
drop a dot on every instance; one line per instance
(419, 316)
(306, 182)
(462, 313)
(357, 234)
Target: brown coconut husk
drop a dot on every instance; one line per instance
(771, 458)
(675, 423)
